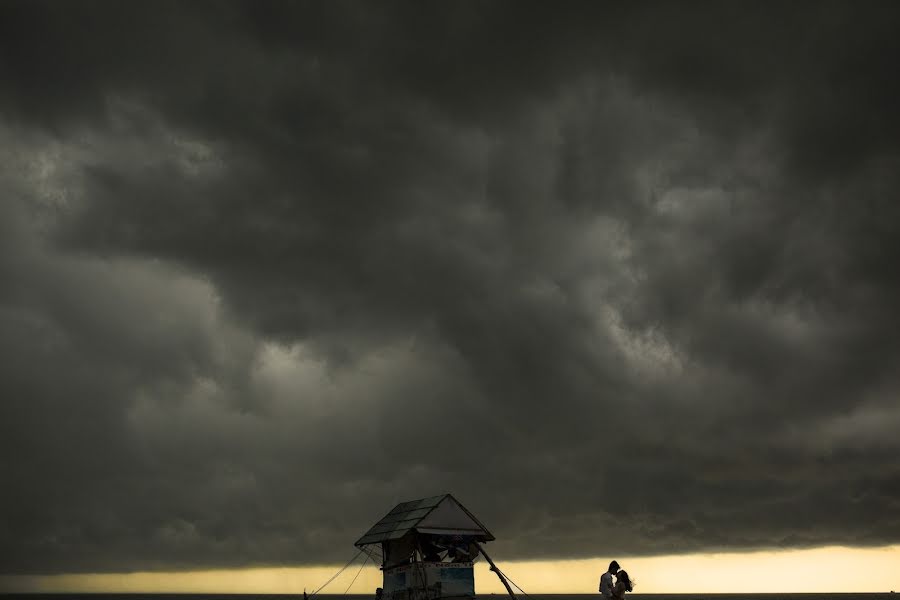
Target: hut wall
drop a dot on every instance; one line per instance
(419, 581)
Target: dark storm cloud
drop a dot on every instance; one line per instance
(618, 274)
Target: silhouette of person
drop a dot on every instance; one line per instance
(606, 581)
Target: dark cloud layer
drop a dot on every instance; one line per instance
(621, 277)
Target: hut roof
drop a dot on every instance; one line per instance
(437, 515)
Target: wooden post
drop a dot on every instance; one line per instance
(497, 571)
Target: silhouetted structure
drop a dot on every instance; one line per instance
(428, 549)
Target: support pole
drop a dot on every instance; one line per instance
(497, 571)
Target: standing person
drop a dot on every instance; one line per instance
(606, 581)
(623, 584)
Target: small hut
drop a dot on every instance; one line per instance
(428, 549)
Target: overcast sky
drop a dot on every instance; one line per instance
(623, 277)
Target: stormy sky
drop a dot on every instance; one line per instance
(623, 277)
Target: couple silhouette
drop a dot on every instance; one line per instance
(615, 590)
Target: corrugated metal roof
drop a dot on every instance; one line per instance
(404, 517)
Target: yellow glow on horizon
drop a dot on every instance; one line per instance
(832, 569)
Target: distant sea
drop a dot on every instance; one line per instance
(771, 596)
